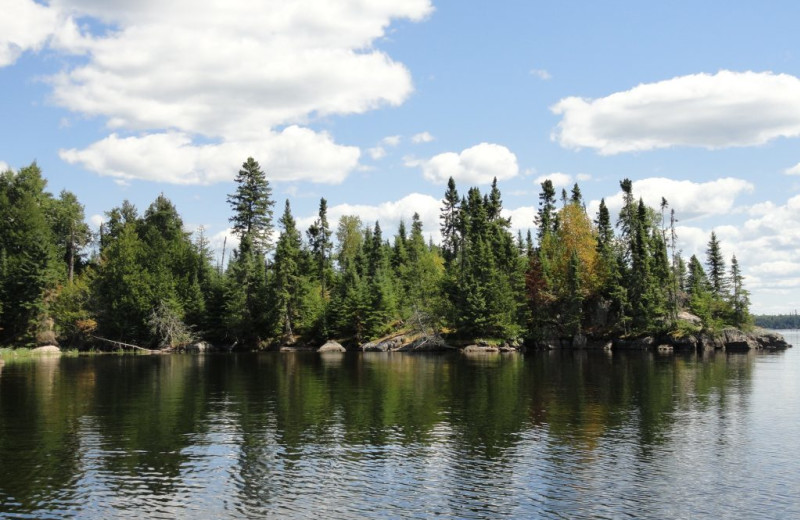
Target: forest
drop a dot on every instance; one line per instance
(144, 279)
(778, 321)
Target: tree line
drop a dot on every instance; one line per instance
(778, 321)
(147, 280)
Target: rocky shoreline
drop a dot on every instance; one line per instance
(729, 339)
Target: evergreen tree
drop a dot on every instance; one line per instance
(288, 286)
(71, 232)
(545, 217)
(716, 267)
(740, 297)
(450, 224)
(252, 206)
(28, 258)
(319, 238)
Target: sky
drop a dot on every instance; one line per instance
(374, 104)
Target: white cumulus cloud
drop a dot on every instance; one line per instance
(476, 165)
(293, 154)
(689, 199)
(25, 25)
(794, 170)
(711, 111)
(185, 73)
(422, 137)
(389, 214)
(559, 180)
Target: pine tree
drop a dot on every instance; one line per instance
(252, 206)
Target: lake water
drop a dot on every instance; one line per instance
(546, 435)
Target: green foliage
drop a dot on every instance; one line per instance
(28, 255)
(153, 283)
(252, 206)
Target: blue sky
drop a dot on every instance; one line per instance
(373, 104)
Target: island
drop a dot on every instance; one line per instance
(574, 280)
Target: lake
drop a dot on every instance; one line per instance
(544, 435)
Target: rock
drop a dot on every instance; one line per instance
(200, 346)
(479, 349)
(331, 346)
(431, 343)
(769, 340)
(46, 338)
(48, 350)
(708, 342)
(735, 339)
(664, 348)
(374, 347)
(691, 318)
(684, 343)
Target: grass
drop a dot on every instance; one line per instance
(25, 353)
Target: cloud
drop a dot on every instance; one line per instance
(227, 72)
(422, 137)
(521, 219)
(541, 74)
(389, 214)
(4, 166)
(689, 199)
(583, 177)
(377, 153)
(711, 111)
(476, 165)
(559, 180)
(25, 25)
(794, 170)
(294, 154)
(391, 140)
(96, 221)
(766, 244)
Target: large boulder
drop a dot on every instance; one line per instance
(735, 339)
(769, 340)
(331, 346)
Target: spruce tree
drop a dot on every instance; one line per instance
(287, 284)
(450, 224)
(319, 238)
(716, 267)
(740, 297)
(545, 217)
(252, 206)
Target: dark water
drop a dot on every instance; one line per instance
(551, 435)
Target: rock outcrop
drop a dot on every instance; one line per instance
(331, 346)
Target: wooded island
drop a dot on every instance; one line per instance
(144, 280)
